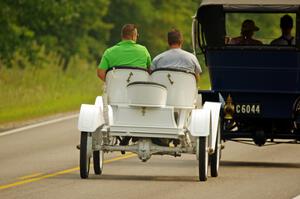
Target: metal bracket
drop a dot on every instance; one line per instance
(169, 77)
(129, 77)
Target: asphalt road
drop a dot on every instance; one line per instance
(42, 162)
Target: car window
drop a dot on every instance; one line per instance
(268, 24)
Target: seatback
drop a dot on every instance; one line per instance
(181, 86)
(146, 94)
(118, 78)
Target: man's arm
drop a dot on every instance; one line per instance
(153, 65)
(197, 68)
(101, 74)
(103, 66)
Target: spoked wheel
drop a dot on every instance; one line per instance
(85, 154)
(216, 156)
(98, 162)
(203, 158)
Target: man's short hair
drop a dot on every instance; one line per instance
(128, 30)
(174, 37)
(286, 22)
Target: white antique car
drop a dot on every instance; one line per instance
(157, 114)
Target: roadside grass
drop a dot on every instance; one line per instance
(204, 83)
(34, 92)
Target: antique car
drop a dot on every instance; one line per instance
(150, 114)
(257, 84)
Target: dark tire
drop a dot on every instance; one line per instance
(98, 162)
(85, 154)
(259, 138)
(203, 158)
(215, 157)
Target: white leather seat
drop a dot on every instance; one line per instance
(117, 80)
(181, 87)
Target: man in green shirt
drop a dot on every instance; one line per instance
(125, 53)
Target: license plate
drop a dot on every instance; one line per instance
(251, 109)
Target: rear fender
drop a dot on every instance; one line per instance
(91, 116)
(214, 109)
(200, 122)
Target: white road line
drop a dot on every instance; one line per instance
(38, 125)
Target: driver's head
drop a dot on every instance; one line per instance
(129, 32)
(286, 23)
(175, 37)
(248, 28)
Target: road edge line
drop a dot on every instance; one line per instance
(38, 125)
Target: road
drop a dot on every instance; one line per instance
(42, 162)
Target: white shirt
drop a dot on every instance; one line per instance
(177, 58)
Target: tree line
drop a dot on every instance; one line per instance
(86, 28)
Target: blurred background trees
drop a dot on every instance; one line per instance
(66, 27)
(31, 29)
(85, 29)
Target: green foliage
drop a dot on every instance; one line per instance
(67, 27)
(85, 28)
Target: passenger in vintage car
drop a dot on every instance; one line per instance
(286, 38)
(175, 57)
(125, 53)
(247, 32)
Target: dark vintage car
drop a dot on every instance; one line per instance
(259, 84)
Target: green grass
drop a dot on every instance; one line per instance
(31, 93)
(34, 92)
(204, 83)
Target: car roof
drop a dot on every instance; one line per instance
(253, 5)
(250, 2)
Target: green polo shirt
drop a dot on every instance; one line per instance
(125, 53)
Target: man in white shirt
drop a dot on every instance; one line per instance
(175, 57)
